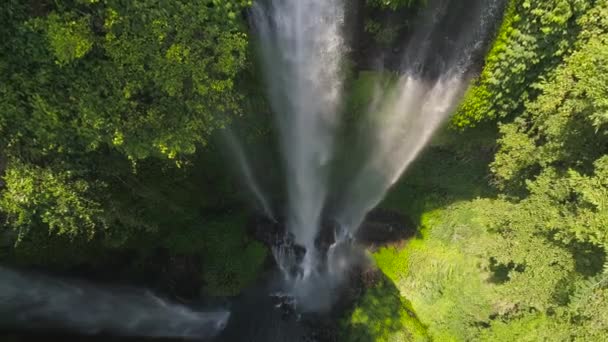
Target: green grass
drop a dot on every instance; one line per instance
(441, 274)
(431, 271)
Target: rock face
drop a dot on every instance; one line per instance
(181, 276)
(268, 232)
(380, 228)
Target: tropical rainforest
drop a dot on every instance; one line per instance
(112, 165)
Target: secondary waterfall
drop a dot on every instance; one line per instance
(247, 174)
(36, 301)
(406, 114)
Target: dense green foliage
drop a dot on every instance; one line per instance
(85, 83)
(230, 260)
(533, 39)
(26, 204)
(525, 259)
(136, 76)
(104, 108)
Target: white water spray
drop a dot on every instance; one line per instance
(247, 173)
(302, 48)
(35, 301)
(406, 115)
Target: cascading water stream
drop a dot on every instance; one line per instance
(301, 48)
(36, 301)
(407, 114)
(247, 173)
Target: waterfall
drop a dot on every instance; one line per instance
(36, 301)
(405, 116)
(301, 47)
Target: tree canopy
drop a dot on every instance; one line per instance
(83, 80)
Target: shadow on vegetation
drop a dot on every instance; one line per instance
(452, 169)
(381, 314)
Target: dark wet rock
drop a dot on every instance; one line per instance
(327, 235)
(176, 276)
(181, 275)
(272, 233)
(370, 277)
(323, 330)
(383, 227)
(267, 231)
(7, 237)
